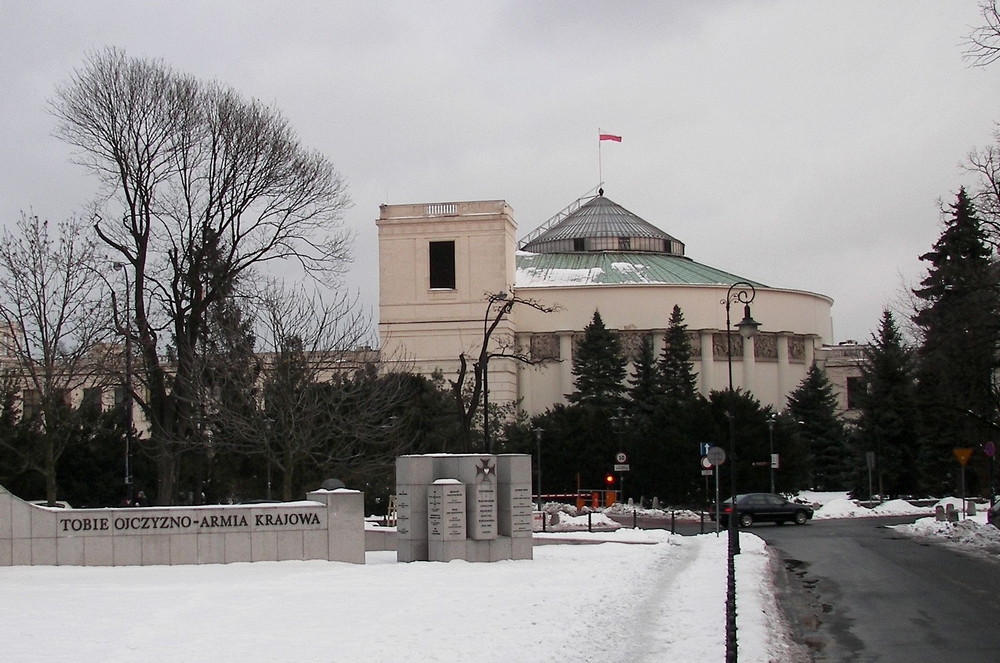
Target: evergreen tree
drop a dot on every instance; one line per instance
(814, 404)
(888, 422)
(959, 315)
(599, 367)
(643, 385)
(677, 377)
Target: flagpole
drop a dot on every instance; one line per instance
(600, 170)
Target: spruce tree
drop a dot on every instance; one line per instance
(888, 422)
(644, 383)
(599, 367)
(814, 405)
(959, 316)
(678, 380)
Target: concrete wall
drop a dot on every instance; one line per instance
(329, 525)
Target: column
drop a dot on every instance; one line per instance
(705, 377)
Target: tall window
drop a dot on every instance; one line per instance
(442, 261)
(93, 399)
(855, 390)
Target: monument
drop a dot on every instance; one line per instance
(475, 507)
(327, 525)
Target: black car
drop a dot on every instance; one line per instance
(763, 507)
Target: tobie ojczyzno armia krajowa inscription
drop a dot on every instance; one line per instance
(327, 525)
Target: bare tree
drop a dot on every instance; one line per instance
(317, 395)
(201, 187)
(498, 307)
(54, 323)
(982, 47)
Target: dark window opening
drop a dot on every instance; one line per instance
(93, 400)
(579, 244)
(442, 256)
(855, 390)
(624, 244)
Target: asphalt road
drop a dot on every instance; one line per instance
(856, 591)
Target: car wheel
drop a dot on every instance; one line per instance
(746, 520)
(801, 517)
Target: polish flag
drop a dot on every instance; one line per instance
(617, 139)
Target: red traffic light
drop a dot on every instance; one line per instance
(610, 479)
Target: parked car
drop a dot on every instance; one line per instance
(993, 514)
(764, 507)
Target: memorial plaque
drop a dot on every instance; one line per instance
(482, 501)
(446, 511)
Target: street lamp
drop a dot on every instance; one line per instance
(743, 293)
(484, 355)
(770, 433)
(127, 396)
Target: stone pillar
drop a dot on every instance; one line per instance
(782, 386)
(566, 362)
(515, 507)
(413, 475)
(706, 379)
(810, 345)
(446, 524)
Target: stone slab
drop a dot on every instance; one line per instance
(183, 548)
(6, 552)
(521, 548)
(70, 552)
(238, 547)
(211, 548)
(128, 550)
(263, 546)
(6, 523)
(20, 552)
(99, 551)
(155, 550)
(291, 546)
(446, 551)
(514, 468)
(315, 545)
(500, 548)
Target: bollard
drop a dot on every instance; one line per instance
(939, 513)
(635, 524)
(590, 524)
(702, 522)
(673, 522)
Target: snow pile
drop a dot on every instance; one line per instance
(900, 508)
(971, 533)
(596, 519)
(841, 508)
(819, 498)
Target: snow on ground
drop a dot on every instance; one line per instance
(635, 595)
(638, 596)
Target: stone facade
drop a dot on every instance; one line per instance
(328, 525)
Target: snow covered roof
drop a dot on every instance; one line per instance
(616, 268)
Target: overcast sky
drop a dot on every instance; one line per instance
(804, 145)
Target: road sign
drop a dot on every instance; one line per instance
(716, 455)
(870, 460)
(621, 457)
(703, 448)
(706, 464)
(962, 454)
(760, 463)
(989, 449)
(707, 473)
(621, 467)
(775, 462)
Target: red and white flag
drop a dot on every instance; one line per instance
(617, 139)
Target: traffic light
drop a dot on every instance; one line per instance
(610, 480)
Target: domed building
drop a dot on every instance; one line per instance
(440, 262)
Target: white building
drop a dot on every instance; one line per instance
(439, 261)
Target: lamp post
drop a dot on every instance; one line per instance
(127, 396)
(743, 293)
(770, 434)
(484, 355)
(538, 441)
